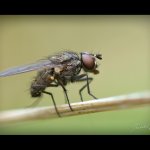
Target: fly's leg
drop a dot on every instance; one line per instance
(84, 77)
(48, 85)
(53, 101)
(35, 103)
(53, 85)
(89, 80)
(65, 91)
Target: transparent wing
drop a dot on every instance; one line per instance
(26, 68)
(50, 62)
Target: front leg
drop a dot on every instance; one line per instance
(84, 77)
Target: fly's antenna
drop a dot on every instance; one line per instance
(99, 56)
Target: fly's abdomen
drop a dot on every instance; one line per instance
(39, 84)
(36, 89)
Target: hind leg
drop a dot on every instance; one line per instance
(45, 92)
(53, 101)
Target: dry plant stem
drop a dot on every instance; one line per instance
(103, 104)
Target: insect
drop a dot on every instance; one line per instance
(58, 70)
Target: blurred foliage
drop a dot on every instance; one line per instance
(124, 44)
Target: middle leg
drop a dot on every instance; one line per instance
(65, 91)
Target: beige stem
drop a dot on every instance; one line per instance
(102, 104)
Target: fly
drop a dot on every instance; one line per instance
(58, 70)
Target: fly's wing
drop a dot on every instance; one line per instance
(51, 62)
(27, 68)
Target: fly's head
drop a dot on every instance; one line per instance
(89, 63)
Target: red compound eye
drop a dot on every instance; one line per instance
(88, 61)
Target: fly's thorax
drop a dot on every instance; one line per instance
(78, 67)
(72, 68)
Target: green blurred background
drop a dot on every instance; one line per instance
(125, 68)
